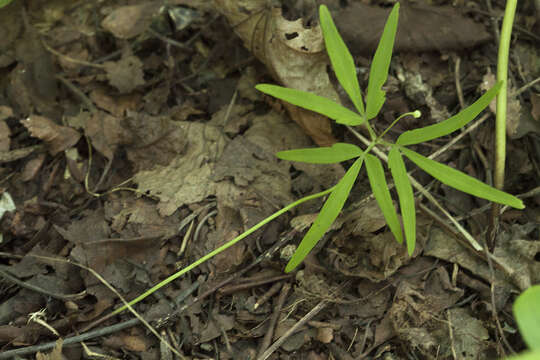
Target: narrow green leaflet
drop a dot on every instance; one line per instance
(379, 67)
(461, 181)
(313, 102)
(406, 196)
(323, 155)
(380, 190)
(327, 215)
(450, 125)
(341, 59)
(527, 313)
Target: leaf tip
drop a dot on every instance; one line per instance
(290, 266)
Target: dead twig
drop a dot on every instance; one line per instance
(318, 308)
(274, 319)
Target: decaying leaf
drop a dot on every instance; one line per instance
(294, 55)
(421, 28)
(58, 138)
(126, 22)
(125, 74)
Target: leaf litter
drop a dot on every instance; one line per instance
(137, 148)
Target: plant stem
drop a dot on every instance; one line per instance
(222, 248)
(500, 116)
(502, 75)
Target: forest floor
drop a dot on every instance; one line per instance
(133, 142)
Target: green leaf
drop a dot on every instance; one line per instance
(406, 196)
(341, 59)
(323, 155)
(446, 127)
(461, 181)
(527, 355)
(4, 3)
(380, 190)
(313, 102)
(379, 67)
(327, 215)
(527, 313)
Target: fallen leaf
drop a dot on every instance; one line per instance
(4, 136)
(421, 28)
(105, 133)
(58, 138)
(126, 22)
(293, 54)
(55, 354)
(125, 74)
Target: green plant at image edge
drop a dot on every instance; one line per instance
(4, 3)
(527, 314)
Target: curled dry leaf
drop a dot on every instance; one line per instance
(293, 54)
(58, 138)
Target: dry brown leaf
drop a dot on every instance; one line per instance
(293, 54)
(125, 74)
(535, 106)
(58, 138)
(32, 167)
(5, 112)
(325, 335)
(126, 22)
(116, 105)
(105, 133)
(4, 136)
(55, 354)
(420, 28)
(518, 121)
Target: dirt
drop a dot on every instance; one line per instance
(133, 142)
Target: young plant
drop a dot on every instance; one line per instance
(343, 66)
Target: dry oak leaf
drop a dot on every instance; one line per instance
(57, 138)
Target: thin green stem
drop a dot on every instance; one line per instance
(222, 248)
(370, 130)
(502, 75)
(416, 114)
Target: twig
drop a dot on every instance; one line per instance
(457, 81)
(70, 340)
(293, 329)
(41, 290)
(170, 317)
(451, 333)
(526, 86)
(237, 287)
(200, 225)
(273, 320)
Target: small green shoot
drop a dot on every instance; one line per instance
(527, 314)
(343, 65)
